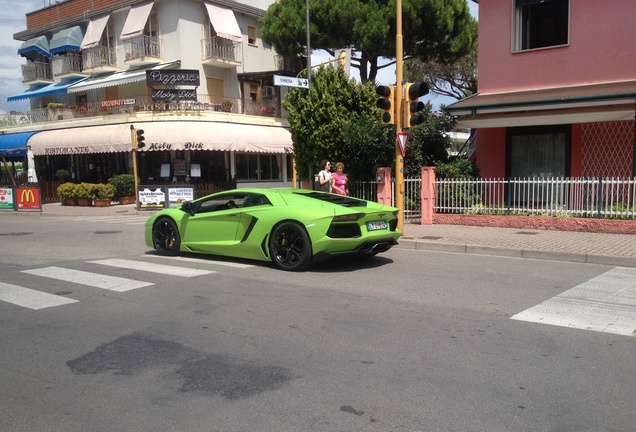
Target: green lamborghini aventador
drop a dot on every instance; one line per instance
(290, 227)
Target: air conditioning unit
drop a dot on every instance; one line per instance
(268, 91)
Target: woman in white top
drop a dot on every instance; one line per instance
(324, 176)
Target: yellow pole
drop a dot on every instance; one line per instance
(133, 140)
(399, 159)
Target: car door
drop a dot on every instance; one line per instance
(214, 226)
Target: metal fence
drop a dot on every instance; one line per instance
(599, 197)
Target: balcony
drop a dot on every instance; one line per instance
(290, 64)
(143, 51)
(67, 66)
(221, 52)
(99, 60)
(37, 73)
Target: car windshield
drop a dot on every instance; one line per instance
(336, 199)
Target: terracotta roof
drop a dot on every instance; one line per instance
(582, 93)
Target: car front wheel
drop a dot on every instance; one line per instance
(290, 247)
(166, 238)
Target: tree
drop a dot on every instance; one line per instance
(457, 79)
(431, 29)
(328, 121)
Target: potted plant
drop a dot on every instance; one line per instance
(62, 175)
(54, 109)
(85, 194)
(104, 194)
(124, 188)
(67, 193)
(227, 105)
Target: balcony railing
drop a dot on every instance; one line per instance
(99, 57)
(217, 48)
(141, 48)
(65, 65)
(33, 72)
(289, 64)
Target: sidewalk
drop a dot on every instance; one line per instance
(585, 247)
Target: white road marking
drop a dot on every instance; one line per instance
(30, 298)
(96, 280)
(201, 260)
(152, 267)
(606, 303)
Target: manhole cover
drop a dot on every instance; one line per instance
(106, 232)
(527, 232)
(15, 234)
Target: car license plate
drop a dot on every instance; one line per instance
(379, 225)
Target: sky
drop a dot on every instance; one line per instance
(13, 20)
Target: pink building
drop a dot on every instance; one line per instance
(557, 89)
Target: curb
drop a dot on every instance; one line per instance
(405, 243)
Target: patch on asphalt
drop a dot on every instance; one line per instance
(214, 374)
(606, 303)
(527, 232)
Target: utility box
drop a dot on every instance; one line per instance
(385, 187)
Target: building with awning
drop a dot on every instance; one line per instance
(558, 103)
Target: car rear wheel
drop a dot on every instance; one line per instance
(166, 238)
(290, 247)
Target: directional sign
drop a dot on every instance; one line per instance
(403, 138)
(286, 81)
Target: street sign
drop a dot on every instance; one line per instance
(403, 138)
(286, 81)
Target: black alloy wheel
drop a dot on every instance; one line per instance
(166, 238)
(290, 247)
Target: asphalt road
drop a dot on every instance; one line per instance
(406, 341)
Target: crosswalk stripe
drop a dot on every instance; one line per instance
(30, 298)
(606, 303)
(152, 267)
(202, 261)
(96, 280)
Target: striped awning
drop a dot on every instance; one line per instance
(136, 20)
(118, 78)
(14, 145)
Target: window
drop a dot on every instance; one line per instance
(540, 23)
(253, 92)
(258, 167)
(251, 35)
(539, 152)
(152, 26)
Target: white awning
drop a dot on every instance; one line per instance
(94, 32)
(118, 78)
(164, 136)
(192, 135)
(96, 139)
(136, 21)
(224, 23)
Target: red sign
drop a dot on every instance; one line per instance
(28, 198)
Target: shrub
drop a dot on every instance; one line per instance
(105, 191)
(86, 191)
(67, 190)
(124, 185)
(62, 175)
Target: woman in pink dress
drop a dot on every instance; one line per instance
(339, 181)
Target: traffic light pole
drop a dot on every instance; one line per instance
(133, 140)
(399, 97)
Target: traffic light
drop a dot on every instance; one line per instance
(386, 102)
(412, 108)
(140, 138)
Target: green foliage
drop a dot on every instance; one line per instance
(62, 175)
(431, 29)
(85, 190)
(319, 117)
(105, 191)
(55, 105)
(456, 168)
(67, 190)
(124, 185)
